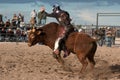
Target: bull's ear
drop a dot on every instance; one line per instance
(38, 32)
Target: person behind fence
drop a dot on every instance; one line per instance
(22, 25)
(20, 19)
(14, 20)
(108, 37)
(10, 34)
(2, 23)
(64, 19)
(113, 35)
(3, 34)
(102, 36)
(7, 24)
(42, 16)
(23, 36)
(33, 16)
(18, 34)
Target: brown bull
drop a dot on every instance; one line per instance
(78, 43)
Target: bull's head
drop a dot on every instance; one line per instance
(33, 36)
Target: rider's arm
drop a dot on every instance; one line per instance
(51, 15)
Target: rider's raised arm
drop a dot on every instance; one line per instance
(51, 15)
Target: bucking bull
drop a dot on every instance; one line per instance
(77, 43)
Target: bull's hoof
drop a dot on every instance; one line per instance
(55, 55)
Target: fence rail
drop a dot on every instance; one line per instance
(7, 37)
(22, 38)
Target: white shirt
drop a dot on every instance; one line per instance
(80, 30)
(22, 24)
(33, 14)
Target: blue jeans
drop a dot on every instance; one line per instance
(108, 41)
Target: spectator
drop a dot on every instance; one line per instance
(81, 30)
(102, 36)
(33, 17)
(18, 34)
(1, 21)
(113, 35)
(33, 14)
(2, 24)
(7, 24)
(42, 16)
(10, 34)
(3, 34)
(23, 35)
(22, 25)
(108, 37)
(14, 20)
(20, 19)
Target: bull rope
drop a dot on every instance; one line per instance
(76, 40)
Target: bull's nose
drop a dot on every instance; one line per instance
(29, 44)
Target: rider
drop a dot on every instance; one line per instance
(63, 18)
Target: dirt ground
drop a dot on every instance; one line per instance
(20, 62)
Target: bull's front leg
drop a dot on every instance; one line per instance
(58, 57)
(61, 61)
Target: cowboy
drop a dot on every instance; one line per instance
(63, 18)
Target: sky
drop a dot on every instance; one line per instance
(82, 12)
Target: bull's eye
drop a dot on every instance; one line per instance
(32, 36)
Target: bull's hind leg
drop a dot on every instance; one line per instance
(91, 55)
(83, 61)
(92, 61)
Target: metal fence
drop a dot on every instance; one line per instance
(90, 32)
(13, 37)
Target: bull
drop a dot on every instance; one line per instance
(80, 44)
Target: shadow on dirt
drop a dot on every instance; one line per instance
(115, 68)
